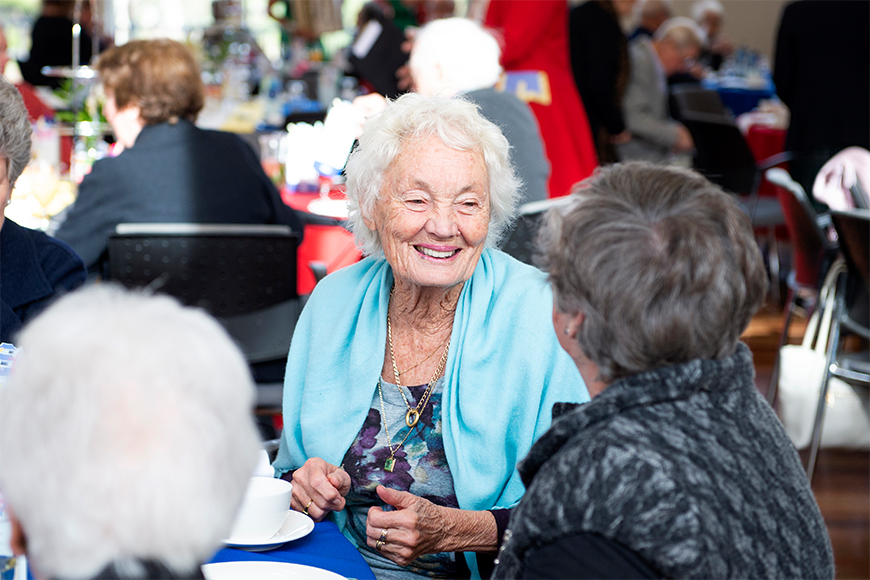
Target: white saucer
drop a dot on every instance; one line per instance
(263, 570)
(296, 525)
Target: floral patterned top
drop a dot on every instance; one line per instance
(420, 468)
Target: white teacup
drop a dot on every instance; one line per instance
(263, 510)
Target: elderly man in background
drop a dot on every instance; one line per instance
(126, 437)
(709, 15)
(655, 136)
(456, 56)
(651, 14)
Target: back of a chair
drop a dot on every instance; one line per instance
(688, 99)
(244, 275)
(807, 238)
(721, 152)
(853, 230)
(520, 241)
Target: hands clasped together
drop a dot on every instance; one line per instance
(416, 526)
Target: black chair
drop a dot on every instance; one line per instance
(850, 316)
(723, 156)
(812, 255)
(687, 98)
(519, 242)
(244, 275)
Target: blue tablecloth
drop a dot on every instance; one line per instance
(325, 547)
(737, 95)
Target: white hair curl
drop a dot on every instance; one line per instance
(125, 432)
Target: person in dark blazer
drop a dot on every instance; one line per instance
(822, 72)
(34, 268)
(169, 170)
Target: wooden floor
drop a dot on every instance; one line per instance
(842, 480)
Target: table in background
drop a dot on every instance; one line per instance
(738, 94)
(331, 245)
(325, 547)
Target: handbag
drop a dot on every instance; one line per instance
(847, 416)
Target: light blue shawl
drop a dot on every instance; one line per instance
(503, 351)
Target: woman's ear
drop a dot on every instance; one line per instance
(574, 324)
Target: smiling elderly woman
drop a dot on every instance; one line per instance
(427, 370)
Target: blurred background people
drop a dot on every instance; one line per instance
(822, 72)
(169, 170)
(536, 59)
(599, 58)
(651, 14)
(36, 108)
(677, 468)
(710, 15)
(34, 268)
(126, 437)
(52, 41)
(455, 56)
(655, 136)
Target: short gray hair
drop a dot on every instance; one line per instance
(125, 432)
(662, 263)
(683, 32)
(703, 7)
(15, 130)
(460, 126)
(467, 54)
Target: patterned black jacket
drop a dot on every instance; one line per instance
(688, 467)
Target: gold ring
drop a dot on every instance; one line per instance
(383, 536)
(305, 509)
(379, 544)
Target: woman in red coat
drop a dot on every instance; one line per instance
(536, 59)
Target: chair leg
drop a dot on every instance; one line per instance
(773, 258)
(833, 345)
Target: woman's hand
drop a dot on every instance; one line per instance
(319, 488)
(418, 526)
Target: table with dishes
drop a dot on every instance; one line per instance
(303, 550)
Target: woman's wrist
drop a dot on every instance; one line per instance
(469, 531)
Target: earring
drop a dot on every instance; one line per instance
(567, 331)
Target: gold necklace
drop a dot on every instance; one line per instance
(430, 355)
(413, 414)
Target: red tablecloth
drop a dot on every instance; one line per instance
(330, 245)
(765, 142)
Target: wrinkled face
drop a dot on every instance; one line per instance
(433, 213)
(5, 188)
(675, 59)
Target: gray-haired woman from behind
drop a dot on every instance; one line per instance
(677, 468)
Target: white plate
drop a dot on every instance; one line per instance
(265, 571)
(296, 525)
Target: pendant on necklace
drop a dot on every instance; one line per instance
(411, 417)
(389, 464)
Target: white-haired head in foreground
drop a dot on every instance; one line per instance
(454, 55)
(459, 125)
(125, 433)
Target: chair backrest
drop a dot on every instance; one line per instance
(687, 99)
(721, 152)
(244, 275)
(808, 239)
(520, 241)
(853, 230)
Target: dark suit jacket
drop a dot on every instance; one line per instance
(822, 72)
(173, 173)
(34, 269)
